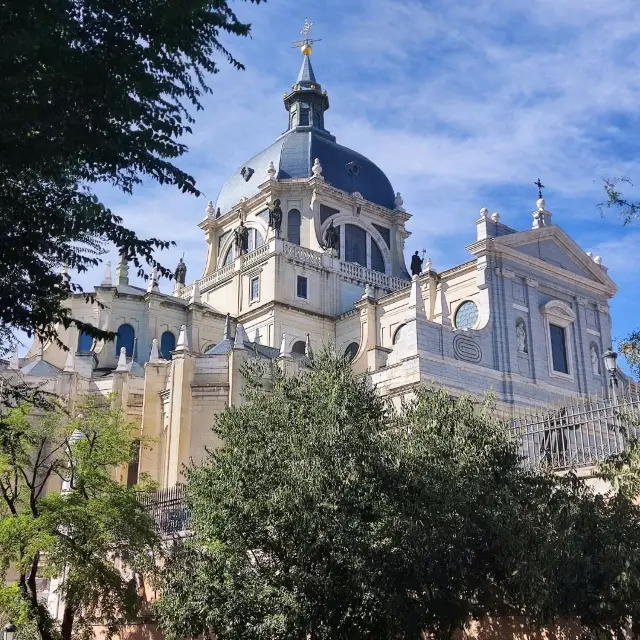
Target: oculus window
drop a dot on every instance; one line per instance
(466, 315)
(351, 351)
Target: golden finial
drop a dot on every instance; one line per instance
(305, 44)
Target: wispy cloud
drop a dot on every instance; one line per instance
(463, 104)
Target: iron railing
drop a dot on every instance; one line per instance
(168, 509)
(580, 434)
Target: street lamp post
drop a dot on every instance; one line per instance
(610, 358)
(10, 631)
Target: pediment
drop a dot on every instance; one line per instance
(553, 247)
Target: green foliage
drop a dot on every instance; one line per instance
(93, 91)
(328, 515)
(87, 532)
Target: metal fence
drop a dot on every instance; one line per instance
(168, 508)
(580, 434)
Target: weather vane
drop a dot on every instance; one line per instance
(540, 187)
(305, 45)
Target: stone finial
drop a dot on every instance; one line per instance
(590, 254)
(598, 260)
(195, 297)
(153, 281)
(284, 352)
(541, 204)
(122, 360)
(69, 362)
(541, 217)
(240, 338)
(484, 213)
(256, 336)
(398, 202)
(307, 348)
(122, 271)
(210, 211)
(183, 340)
(227, 328)
(106, 278)
(428, 264)
(368, 292)
(495, 216)
(271, 170)
(317, 168)
(154, 356)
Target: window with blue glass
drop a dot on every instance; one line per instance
(167, 344)
(293, 226)
(466, 315)
(377, 261)
(126, 338)
(85, 342)
(301, 287)
(559, 358)
(355, 244)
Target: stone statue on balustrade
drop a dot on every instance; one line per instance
(416, 264)
(275, 216)
(332, 238)
(181, 273)
(242, 238)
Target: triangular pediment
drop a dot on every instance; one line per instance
(552, 246)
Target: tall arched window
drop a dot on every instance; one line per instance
(293, 226)
(85, 342)
(167, 344)
(298, 347)
(228, 257)
(377, 261)
(255, 239)
(126, 338)
(355, 244)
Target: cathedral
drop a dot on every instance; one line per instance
(305, 246)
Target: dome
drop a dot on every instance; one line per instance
(294, 152)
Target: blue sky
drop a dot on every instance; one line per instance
(463, 104)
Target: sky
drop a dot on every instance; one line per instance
(463, 104)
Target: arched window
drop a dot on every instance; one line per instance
(351, 351)
(126, 338)
(228, 257)
(377, 261)
(85, 342)
(397, 336)
(298, 347)
(355, 244)
(255, 239)
(167, 344)
(293, 226)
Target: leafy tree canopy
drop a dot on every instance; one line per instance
(92, 91)
(88, 532)
(328, 515)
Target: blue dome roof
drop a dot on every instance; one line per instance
(294, 152)
(293, 155)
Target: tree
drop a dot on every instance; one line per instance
(630, 212)
(327, 515)
(93, 91)
(85, 534)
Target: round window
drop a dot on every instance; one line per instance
(466, 315)
(351, 351)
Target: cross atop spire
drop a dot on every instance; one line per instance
(540, 187)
